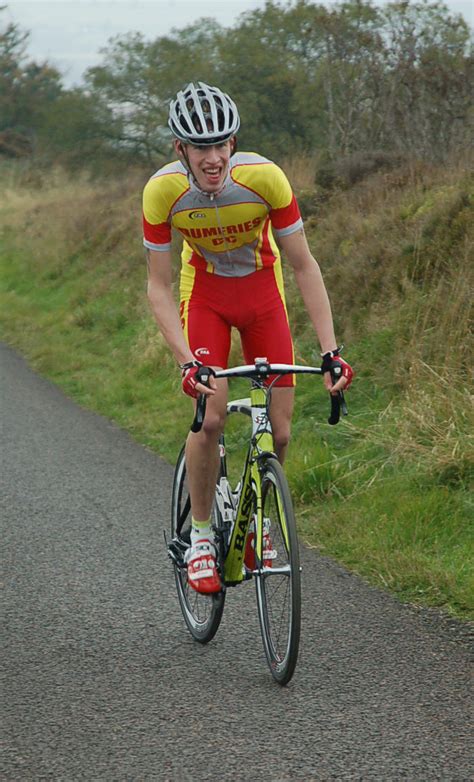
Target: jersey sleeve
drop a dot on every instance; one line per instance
(156, 219)
(284, 210)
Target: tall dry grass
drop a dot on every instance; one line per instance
(397, 254)
(301, 170)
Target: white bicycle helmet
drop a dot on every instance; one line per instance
(203, 115)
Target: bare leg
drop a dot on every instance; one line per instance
(281, 411)
(202, 455)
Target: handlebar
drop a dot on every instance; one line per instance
(261, 370)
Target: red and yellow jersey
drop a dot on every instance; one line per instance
(231, 233)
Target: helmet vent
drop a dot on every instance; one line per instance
(203, 115)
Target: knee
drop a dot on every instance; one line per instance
(213, 425)
(281, 437)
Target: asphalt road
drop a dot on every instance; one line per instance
(101, 680)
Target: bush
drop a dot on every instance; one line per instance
(14, 144)
(347, 171)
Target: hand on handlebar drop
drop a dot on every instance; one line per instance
(338, 374)
(198, 379)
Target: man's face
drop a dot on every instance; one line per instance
(209, 164)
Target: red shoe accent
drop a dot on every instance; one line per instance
(202, 569)
(268, 550)
(249, 558)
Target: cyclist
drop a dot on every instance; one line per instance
(234, 210)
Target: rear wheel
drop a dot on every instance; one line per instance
(279, 584)
(202, 613)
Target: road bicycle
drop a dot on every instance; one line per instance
(253, 523)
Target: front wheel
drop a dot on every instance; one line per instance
(278, 583)
(202, 613)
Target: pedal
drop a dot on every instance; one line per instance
(176, 550)
(174, 558)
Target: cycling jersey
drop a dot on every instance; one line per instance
(230, 233)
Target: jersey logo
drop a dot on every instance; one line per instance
(197, 216)
(202, 352)
(222, 230)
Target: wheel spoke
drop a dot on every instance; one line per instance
(202, 613)
(278, 586)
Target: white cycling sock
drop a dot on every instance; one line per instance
(201, 530)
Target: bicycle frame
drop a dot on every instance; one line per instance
(233, 524)
(261, 442)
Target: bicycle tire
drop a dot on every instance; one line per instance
(279, 594)
(202, 613)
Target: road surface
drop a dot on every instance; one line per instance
(101, 680)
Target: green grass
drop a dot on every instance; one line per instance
(92, 350)
(417, 541)
(387, 492)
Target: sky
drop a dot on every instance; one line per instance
(70, 33)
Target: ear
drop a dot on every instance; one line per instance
(233, 145)
(178, 147)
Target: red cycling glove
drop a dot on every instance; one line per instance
(333, 363)
(193, 373)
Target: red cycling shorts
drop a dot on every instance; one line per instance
(253, 304)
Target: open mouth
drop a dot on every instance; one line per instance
(213, 175)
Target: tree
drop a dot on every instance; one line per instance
(38, 116)
(348, 78)
(27, 89)
(428, 76)
(138, 80)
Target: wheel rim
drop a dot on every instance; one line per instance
(276, 583)
(198, 609)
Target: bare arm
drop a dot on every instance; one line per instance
(311, 284)
(163, 306)
(313, 290)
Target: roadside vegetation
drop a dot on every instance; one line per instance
(370, 113)
(387, 492)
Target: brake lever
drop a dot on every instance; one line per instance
(335, 409)
(338, 402)
(198, 420)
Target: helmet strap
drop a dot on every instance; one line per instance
(187, 164)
